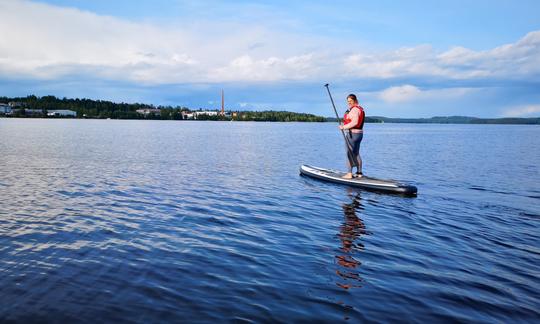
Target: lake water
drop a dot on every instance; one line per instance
(179, 221)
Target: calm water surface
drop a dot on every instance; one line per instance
(158, 221)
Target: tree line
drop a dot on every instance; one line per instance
(88, 108)
(85, 108)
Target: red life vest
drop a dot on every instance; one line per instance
(361, 117)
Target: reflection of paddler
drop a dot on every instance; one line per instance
(350, 230)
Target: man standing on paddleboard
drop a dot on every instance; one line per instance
(353, 121)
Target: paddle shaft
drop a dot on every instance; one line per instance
(349, 149)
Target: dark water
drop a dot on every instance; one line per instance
(156, 221)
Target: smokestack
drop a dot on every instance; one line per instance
(222, 103)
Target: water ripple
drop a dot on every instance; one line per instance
(143, 221)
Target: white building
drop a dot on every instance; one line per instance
(5, 109)
(61, 112)
(147, 112)
(205, 112)
(187, 115)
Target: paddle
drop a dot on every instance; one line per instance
(349, 148)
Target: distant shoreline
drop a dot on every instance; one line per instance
(373, 120)
(52, 107)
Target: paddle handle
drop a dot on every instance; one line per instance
(349, 148)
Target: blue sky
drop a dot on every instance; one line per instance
(402, 59)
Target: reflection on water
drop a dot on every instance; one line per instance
(158, 221)
(349, 232)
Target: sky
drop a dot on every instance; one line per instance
(401, 58)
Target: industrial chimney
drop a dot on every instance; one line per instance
(222, 103)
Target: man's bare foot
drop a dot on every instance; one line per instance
(347, 176)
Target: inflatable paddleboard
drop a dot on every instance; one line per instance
(364, 182)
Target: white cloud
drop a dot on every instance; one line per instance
(49, 42)
(523, 111)
(40, 41)
(511, 61)
(410, 93)
(400, 94)
(245, 68)
(412, 61)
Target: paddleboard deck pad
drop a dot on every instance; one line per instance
(364, 182)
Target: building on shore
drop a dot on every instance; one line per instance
(61, 113)
(188, 115)
(5, 109)
(204, 113)
(27, 112)
(16, 104)
(148, 111)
